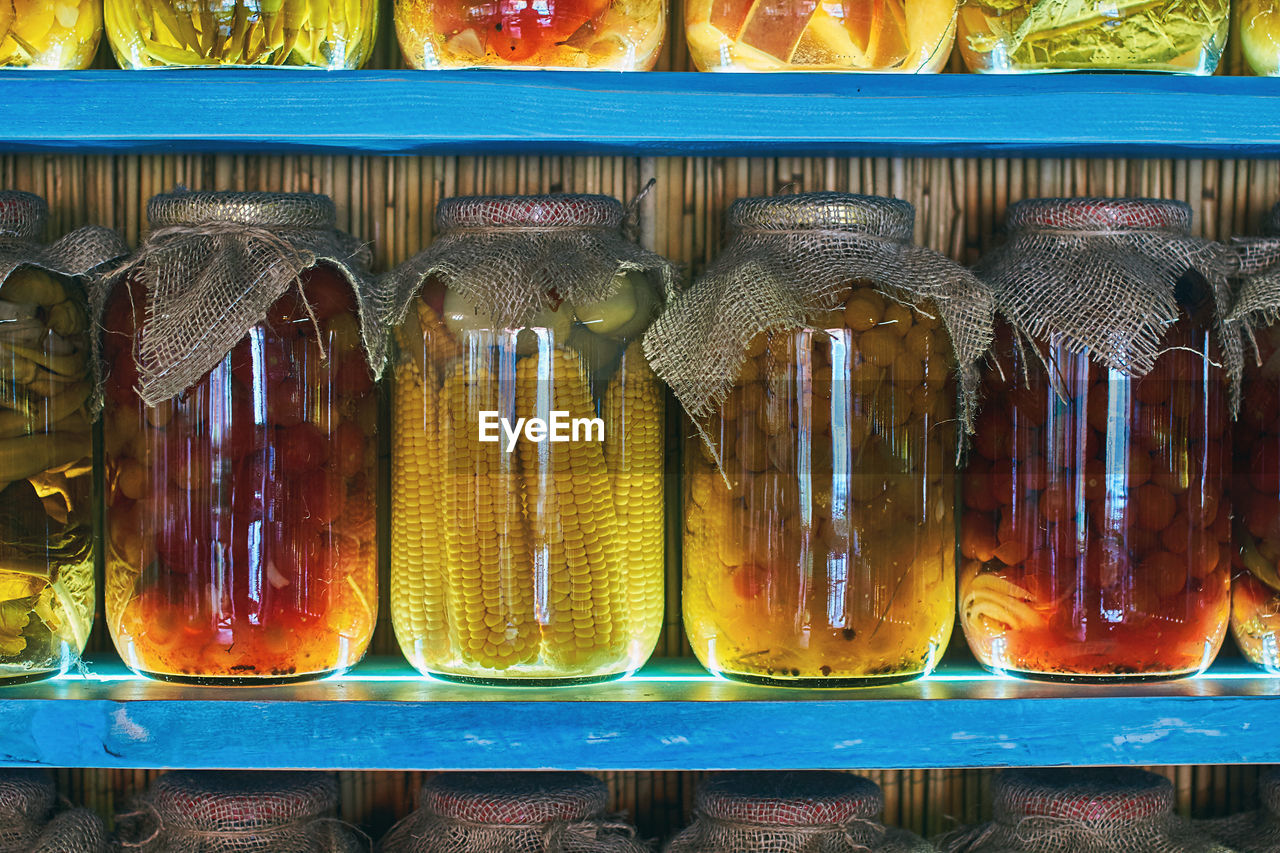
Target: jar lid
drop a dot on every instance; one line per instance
(214, 801)
(877, 216)
(1103, 795)
(1100, 214)
(790, 798)
(280, 210)
(529, 211)
(515, 798)
(26, 795)
(22, 215)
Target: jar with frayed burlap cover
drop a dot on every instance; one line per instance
(1116, 810)
(527, 561)
(791, 812)
(1257, 831)
(239, 812)
(513, 813)
(30, 822)
(23, 219)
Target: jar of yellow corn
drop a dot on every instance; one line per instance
(334, 34)
(527, 460)
(60, 34)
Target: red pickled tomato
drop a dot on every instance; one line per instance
(302, 448)
(277, 360)
(978, 537)
(347, 449)
(184, 538)
(255, 492)
(287, 403)
(1264, 467)
(318, 497)
(352, 377)
(122, 378)
(328, 292)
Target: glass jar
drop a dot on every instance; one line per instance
(1096, 531)
(819, 538)
(47, 34)
(793, 35)
(1258, 26)
(46, 479)
(534, 557)
(240, 508)
(598, 35)
(1004, 36)
(194, 33)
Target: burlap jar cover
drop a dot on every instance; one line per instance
(214, 262)
(512, 813)
(1100, 275)
(1081, 811)
(73, 831)
(512, 256)
(234, 812)
(27, 800)
(1256, 831)
(1258, 259)
(791, 812)
(790, 258)
(23, 218)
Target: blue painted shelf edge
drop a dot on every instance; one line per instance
(656, 113)
(670, 716)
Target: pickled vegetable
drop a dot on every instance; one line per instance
(1092, 35)
(612, 35)
(777, 35)
(46, 483)
(828, 556)
(1259, 33)
(60, 34)
(317, 33)
(240, 514)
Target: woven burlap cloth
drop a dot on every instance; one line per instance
(214, 262)
(1258, 271)
(791, 812)
(1117, 810)
(512, 813)
(73, 831)
(1256, 831)
(512, 256)
(23, 219)
(27, 800)
(1100, 276)
(790, 258)
(237, 812)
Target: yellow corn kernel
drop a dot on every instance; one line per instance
(573, 526)
(441, 347)
(490, 597)
(634, 424)
(418, 608)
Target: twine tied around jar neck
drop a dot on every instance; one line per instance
(435, 832)
(278, 831)
(851, 835)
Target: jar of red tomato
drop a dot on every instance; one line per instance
(1096, 531)
(241, 350)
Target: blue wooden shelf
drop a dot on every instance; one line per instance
(671, 716)
(508, 112)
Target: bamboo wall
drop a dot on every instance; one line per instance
(389, 202)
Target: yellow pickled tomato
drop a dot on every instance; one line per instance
(864, 310)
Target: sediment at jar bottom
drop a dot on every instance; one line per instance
(319, 33)
(521, 567)
(46, 483)
(612, 35)
(1098, 546)
(825, 550)
(240, 515)
(43, 34)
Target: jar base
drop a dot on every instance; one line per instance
(15, 677)
(821, 683)
(236, 681)
(1095, 678)
(518, 681)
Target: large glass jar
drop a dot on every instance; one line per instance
(1096, 531)
(240, 509)
(46, 447)
(797, 35)
(533, 557)
(602, 35)
(1005, 36)
(333, 34)
(48, 34)
(819, 538)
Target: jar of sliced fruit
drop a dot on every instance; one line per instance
(332, 34)
(61, 34)
(855, 35)
(817, 360)
(1096, 532)
(527, 449)
(240, 356)
(603, 35)
(46, 449)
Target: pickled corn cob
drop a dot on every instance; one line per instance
(418, 608)
(491, 608)
(572, 520)
(633, 432)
